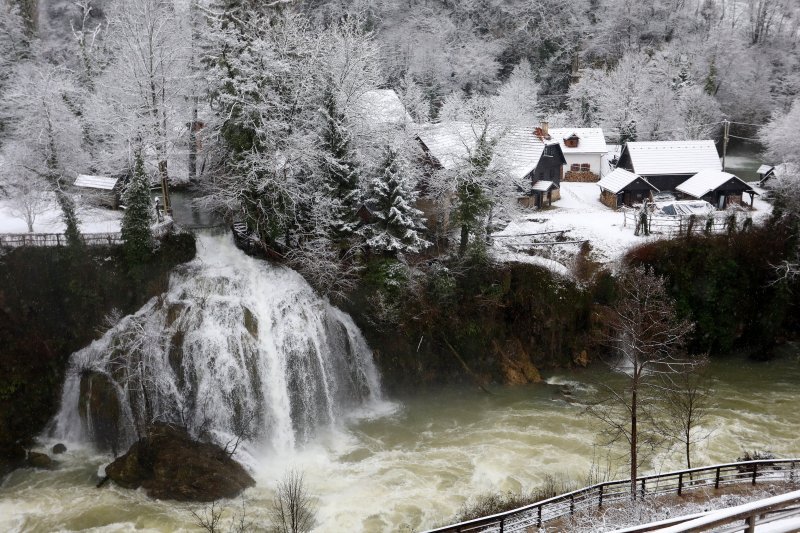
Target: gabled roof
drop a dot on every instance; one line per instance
(591, 140)
(518, 150)
(382, 106)
(543, 186)
(706, 181)
(620, 178)
(672, 157)
(764, 169)
(95, 182)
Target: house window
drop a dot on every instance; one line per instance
(575, 167)
(585, 167)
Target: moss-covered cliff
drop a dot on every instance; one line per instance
(53, 301)
(484, 324)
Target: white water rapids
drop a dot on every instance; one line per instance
(236, 347)
(372, 466)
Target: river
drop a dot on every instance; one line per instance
(410, 462)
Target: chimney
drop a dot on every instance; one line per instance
(546, 130)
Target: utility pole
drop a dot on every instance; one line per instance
(727, 128)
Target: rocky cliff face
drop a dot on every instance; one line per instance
(53, 302)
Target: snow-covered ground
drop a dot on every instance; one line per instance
(582, 216)
(657, 509)
(92, 220)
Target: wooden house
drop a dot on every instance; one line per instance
(528, 157)
(718, 188)
(667, 164)
(621, 187)
(100, 190)
(583, 149)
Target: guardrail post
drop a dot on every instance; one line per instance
(791, 473)
(600, 499)
(755, 472)
(751, 524)
(571, 504)
(716, 480)
(643, 488)
(680, 483)
(539, 521)
(502, 523)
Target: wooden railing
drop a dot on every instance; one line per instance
(14, 240)
(596, 496)
(684, 224)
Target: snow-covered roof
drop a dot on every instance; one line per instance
(763, 169)
(619, 179)
(591, 140)
(383, 106)
(673, 157)
(543, 185)
(518, 150)
(706, 181)
(95, 182)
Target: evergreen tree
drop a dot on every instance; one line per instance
(339, 168)
(136, 230)
(397, 221)
(473, 203)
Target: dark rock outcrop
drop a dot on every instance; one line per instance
(100, 409)
(59, 448)
(170, 465)
(39, 460)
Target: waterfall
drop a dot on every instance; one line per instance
(236, 348)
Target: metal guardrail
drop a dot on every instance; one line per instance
(14, 240)
(596, 496)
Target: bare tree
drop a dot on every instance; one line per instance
(210, 519)
(646, 342)
(687, 402)
(293, 509)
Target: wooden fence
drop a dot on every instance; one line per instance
(684, 225)
(536, 514)
(14, 240)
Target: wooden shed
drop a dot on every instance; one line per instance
(622, 187)
(720, 189)
(101, 190)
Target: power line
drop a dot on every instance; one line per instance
(747, 124)
(745, 138)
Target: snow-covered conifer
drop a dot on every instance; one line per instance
(339, 167)
(136, 230)
(397, 222)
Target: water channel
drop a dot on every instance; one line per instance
(409, 463)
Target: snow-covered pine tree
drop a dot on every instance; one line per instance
(136, 230)
(473, 202)
(339, 167)
(396, 221)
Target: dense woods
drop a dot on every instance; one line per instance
(267, 106)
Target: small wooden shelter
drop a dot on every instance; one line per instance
(101, 190)
(720, 189)
(622, 187)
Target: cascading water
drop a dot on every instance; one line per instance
(235, 348)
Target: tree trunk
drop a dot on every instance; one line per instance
(193, 143)
(462, 247)
(634, 442)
